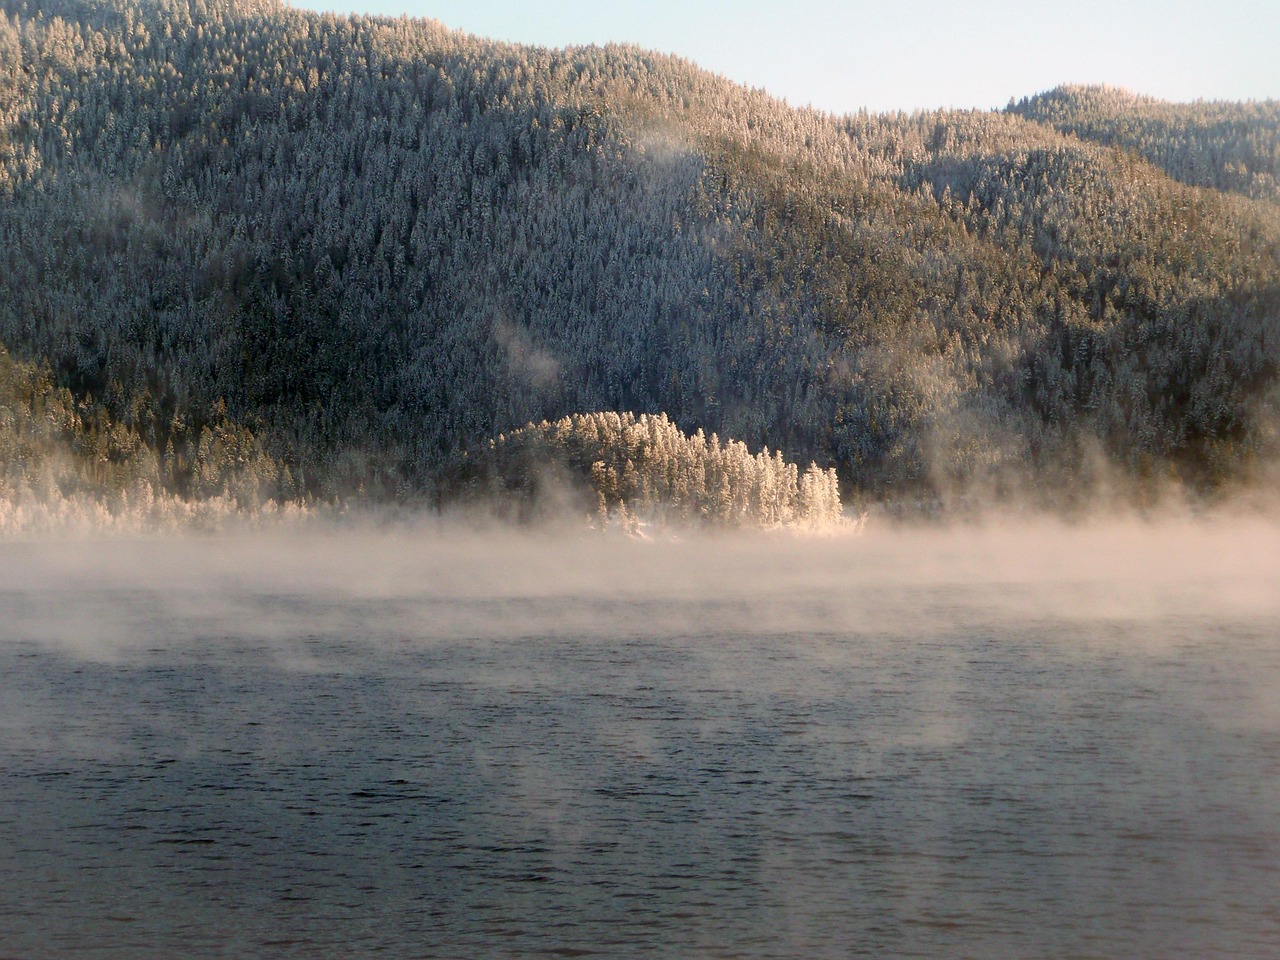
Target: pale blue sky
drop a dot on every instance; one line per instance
(908, 54)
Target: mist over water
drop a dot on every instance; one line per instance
(1021, 740)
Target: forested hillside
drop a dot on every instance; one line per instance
(67, 464)
(1228, 146)
(373, 245)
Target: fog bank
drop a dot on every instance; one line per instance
(447, 582)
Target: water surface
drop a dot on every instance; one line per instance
(992, 744)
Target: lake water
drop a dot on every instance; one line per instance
(984, 743)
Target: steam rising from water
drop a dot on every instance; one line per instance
(1030, 740)
(449, 582)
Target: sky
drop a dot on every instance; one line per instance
(908, 54)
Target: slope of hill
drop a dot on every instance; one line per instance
(376, 243)
(68, 465)
(1227, 146)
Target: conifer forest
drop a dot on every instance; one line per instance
(257, 258)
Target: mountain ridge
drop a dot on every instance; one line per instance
(377, 243)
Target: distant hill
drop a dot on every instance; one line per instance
(1227, 146)
(372, 244)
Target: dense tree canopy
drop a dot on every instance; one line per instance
(367, 244)
(1228, 146)
(628, 467)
